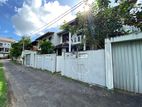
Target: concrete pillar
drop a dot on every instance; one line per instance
(84, 44)
(109, 65)
(70, 42)
(4, 50)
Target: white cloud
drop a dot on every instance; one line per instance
(33, 15)
(3, 1)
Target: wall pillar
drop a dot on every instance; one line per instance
(108, 63)
(70, 42)
(84, 44)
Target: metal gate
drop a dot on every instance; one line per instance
(127, 65)
(27, 59)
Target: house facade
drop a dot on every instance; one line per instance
(49, 36)
(63, 41)
(5, 45)
(70, 43)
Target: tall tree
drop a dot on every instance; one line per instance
(16, 48)
(25, 42)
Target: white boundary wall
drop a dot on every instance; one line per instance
(46, 62)
(86, 66)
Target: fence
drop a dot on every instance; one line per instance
(86, 66)
(118, 66)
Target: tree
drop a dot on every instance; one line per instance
(16, 50)
(25, 42)
(97, 24)
(104, 21)
(130, 12)
(46, 47)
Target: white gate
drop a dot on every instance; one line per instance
(127, 65)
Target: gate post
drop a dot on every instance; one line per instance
(108, 64)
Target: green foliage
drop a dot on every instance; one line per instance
(46, 47)
(108, 21)
(69, 28)
(25, 40)
(3, 89)
(130, 12)
(16, 48)
(103, 3)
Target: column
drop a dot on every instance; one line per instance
(70, 42)
(84, 43)
(108, 64)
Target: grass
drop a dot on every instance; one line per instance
(3, 88)
(1, 64)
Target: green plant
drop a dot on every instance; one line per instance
(46, 47)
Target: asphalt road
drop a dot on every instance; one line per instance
(35, 88)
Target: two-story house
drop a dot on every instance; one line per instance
(50, 36)
(70, 42)
(5, 45)
(63, 41)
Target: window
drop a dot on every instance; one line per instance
(65, 37)
(1, 49)
(79, 38)
(75, 39)
(50, 38)
(1, 44)
(6, 49)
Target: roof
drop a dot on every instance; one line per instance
(7, 40)
(45, 35)
(72, 22)
(62, 32)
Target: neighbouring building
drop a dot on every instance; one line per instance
(5, 45)
(63, 41)
(69, 42)
(50, 36)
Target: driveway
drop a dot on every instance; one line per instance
(35, 88)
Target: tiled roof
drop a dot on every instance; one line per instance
(6, 40)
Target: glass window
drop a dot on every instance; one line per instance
(79, 38)
(6, 49)
(1, 44)
(75, 39)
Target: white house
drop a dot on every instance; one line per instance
(5, 45)
(69, 42)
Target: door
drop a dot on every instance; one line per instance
(127, 65)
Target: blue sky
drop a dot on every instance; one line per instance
(8, 12)
(23, 17)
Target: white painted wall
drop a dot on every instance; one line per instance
(88, 66)
(60, 63)
(55, 39)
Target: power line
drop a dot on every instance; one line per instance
(58, 18)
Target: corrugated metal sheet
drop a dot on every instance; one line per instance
(127, 65)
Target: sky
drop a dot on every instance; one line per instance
(24, 17)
